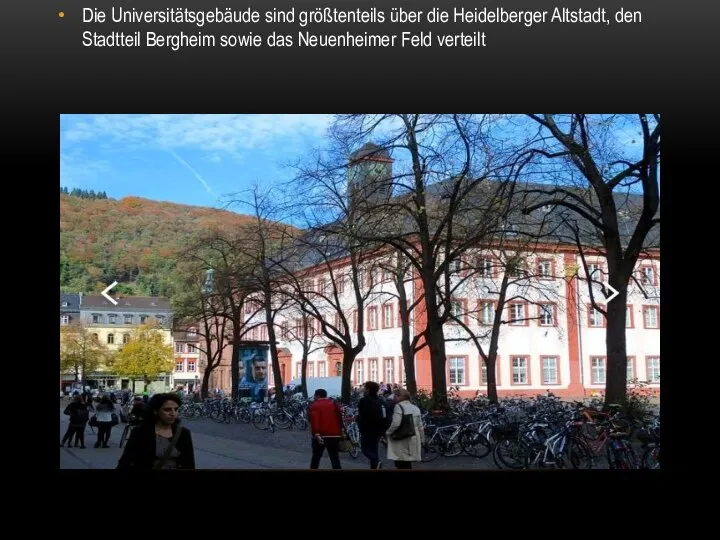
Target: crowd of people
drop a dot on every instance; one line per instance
(158, 441)
(389, 416)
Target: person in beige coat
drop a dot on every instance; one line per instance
(405, 451)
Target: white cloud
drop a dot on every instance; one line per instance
(77, 171)
(216, 134)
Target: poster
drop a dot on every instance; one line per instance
(253, 366)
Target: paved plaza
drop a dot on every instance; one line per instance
(240, 446)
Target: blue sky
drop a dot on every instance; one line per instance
(188, 159)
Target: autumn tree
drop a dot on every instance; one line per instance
(146, 356)
(197, 307)
(603, 173)
(266, 243)
(233, 284)
(81, 352)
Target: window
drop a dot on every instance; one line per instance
(454, 266)
(111, 339)
(484, 267)
(299, 329)
(96, 318)
(128, 319)
(179, 347)
(372, 319)
(517, 314)
(630, 368)
(179, 365)
(401, 372)
(322, 286)
(484, 371)
(457, 309)
(650, 316)
(338, 369)
(355, 320)
(388, 316)
(263, 333)
(647, 275)
(456, 370)
(65, 319)
(597, 370)
(518, 270)
(389, 369)
(143, 319)
(596, 318)
(95, 337)
(629, 322)
(160, 320)
(545, 269)
(373, 369)
(322, 369)
(64, 304)
(311, 369)
(546, 313)
(594, 271)
(653, 369)
(519, 370)
(126, 339)
(192, 332)
(298, 370)
(359, 372)
(550, 373)
(112, 318)
(191, 349)
(340, 284)
(487, 313)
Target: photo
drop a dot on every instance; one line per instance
(253, 372)
(411, 290)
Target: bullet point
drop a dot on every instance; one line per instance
(61, 14)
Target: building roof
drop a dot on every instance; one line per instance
(127, 303)
(73, 303)
(185, 336)
(371, 151)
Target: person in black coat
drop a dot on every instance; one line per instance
(150, 445)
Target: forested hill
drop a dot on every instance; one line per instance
(133, 241)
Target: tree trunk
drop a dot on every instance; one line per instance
(303, 372)
(277, 373)
(409, 365)
(491, 382)
(436, 343)
(235, 360)
(616, 376)
(348, 360)
(205, 383)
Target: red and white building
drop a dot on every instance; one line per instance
(556, 342)
(187, 372)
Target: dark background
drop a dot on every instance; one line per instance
(664, 65)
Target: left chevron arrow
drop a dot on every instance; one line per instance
(106, 295)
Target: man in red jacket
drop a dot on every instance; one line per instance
(326, 427)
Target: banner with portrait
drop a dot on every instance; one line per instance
(253, 368)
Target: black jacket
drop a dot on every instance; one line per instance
(140, 449)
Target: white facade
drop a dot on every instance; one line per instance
(537, 347)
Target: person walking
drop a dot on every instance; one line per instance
(159, 442)
(372, 423)
(406, 435)
(326, 426)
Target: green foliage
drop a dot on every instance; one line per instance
(136, 242)
(146, 356)
(83, 194)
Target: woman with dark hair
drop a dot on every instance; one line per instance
(159, 442)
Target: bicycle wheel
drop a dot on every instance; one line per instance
(474, 444)
(511, 454)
